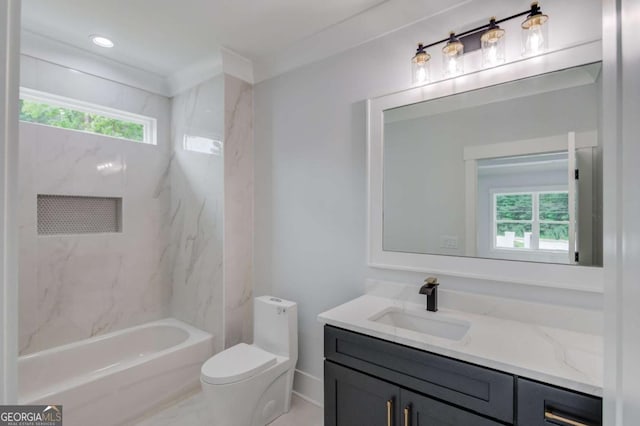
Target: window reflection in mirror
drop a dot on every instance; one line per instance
(491, 173)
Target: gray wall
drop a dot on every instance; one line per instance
(310, 141)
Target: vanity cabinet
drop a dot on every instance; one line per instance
(369, 382)
(361, 400)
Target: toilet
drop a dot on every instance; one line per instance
(250, 385)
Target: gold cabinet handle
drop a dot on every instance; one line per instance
(550, 416)
(389, 410)
(406, 415)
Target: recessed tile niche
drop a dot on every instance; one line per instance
(72, 214)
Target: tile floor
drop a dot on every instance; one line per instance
(191, 411)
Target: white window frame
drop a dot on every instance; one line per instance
(535, 219)
(149, 124)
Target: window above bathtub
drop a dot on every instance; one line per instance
(72, 114)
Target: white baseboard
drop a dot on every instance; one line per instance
(309, 388)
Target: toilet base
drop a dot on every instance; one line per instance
(274, 403)
(253, 402)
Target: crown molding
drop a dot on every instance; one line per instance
(195, 74)
(56, 52)
(236, 65)
(360, 29)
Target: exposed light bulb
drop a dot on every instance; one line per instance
(536, 39)
(492, 55)
(453, 66)
(421, 75)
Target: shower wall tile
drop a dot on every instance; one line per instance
(197, 209)
(238, 211)
(77, 286)
(62, 81)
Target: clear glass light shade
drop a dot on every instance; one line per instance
(493, 47)
(535, 37)
(452, 57)
(420, 68)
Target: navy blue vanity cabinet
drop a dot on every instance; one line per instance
(370, 381)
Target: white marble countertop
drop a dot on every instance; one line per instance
(558, 356)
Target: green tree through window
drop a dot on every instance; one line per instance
(51, 115)
(543, 214)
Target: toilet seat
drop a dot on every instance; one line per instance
(235, 364)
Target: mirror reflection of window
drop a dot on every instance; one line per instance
(527, 198)
(489, 172)
(531, 221)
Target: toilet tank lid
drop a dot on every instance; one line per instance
(237, 363)
(276, 301)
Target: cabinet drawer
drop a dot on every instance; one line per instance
(468, 386)
(544, 405)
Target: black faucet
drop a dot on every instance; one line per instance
(430, 288)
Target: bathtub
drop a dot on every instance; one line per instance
(114, 378)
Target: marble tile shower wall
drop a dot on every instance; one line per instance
(77, 286)
(169, 260)
(197, 187)
(238, 208)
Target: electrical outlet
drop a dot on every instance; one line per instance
(449, 242)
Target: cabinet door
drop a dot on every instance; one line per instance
(419, 410)
(355, 399)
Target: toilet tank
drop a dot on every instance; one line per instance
(275, 326)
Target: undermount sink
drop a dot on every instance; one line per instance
(430, 323)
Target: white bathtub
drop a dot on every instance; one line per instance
(114, 378)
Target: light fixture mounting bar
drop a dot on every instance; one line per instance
(478, 29)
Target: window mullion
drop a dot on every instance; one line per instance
(535, 223)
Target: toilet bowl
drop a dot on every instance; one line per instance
(250, 385)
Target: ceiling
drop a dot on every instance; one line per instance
(165, 37)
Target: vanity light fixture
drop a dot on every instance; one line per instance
(452, 59)
(493, 46)
(101, 41)
(420, 66)
(534, 31)
(490, 38)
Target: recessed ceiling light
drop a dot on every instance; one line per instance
(101, 41)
